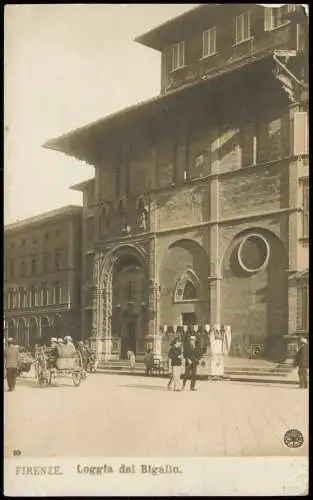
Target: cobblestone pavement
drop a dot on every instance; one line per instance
(117, 415)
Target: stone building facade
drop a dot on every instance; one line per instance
(200, 195)
(42, 268)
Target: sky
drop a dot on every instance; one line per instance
(66, 66)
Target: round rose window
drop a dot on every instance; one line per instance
(253, 253)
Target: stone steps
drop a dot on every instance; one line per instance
(245, 371)
(229, 368)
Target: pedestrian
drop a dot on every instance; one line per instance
(11, 357)
(175, 357)
(83, 352)
(192, 357)
(302, 362)
(132, 358)
(60, 340)
(53, 352)
(148, 361)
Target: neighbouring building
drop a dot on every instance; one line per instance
(42, 276)
(198, 212)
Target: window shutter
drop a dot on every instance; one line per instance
(300, 144)
(267, 18)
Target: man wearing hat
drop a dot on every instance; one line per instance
(53, 351)
(11, 355)
(192, 356)
(302, 362)
(175, 357)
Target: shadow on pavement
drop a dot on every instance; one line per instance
(137, 386)
(258, 384)
(33, 384)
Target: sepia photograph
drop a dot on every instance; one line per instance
(156, 241)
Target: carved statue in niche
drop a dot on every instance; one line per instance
(142, 216)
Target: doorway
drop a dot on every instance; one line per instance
(189, 319)
(129, 337)
(130, 291)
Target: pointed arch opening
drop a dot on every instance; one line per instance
(188, 287)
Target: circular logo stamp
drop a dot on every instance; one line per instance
(293, 438)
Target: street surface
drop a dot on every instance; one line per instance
(120, 415)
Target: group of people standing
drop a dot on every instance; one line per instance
(192, 354)
(191, 351)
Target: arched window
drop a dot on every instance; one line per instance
(22, 298)
(44, 295)
(190, 292)
(32, 296)
(44, 328)
(57, 293)
(12, 298)
(188, 287)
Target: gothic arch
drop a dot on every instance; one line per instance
(106, 262)
(22, 332)
(199, 254)
(104, 271)
(11, 327)
(189, 277)
(44, 325)
(255, 280)
(242, 234)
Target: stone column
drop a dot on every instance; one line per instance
(294, 225)
(214, 239)
(96, 337)
(26, 323)
(106, 319)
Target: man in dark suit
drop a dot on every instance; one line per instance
(11, 356)
(192, 355)
(302, 362)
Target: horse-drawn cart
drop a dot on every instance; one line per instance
(48, 368)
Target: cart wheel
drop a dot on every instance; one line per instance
(76, 376)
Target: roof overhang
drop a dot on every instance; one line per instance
(180, 26)
(157, 37)
(84, 143)
(81, 186)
